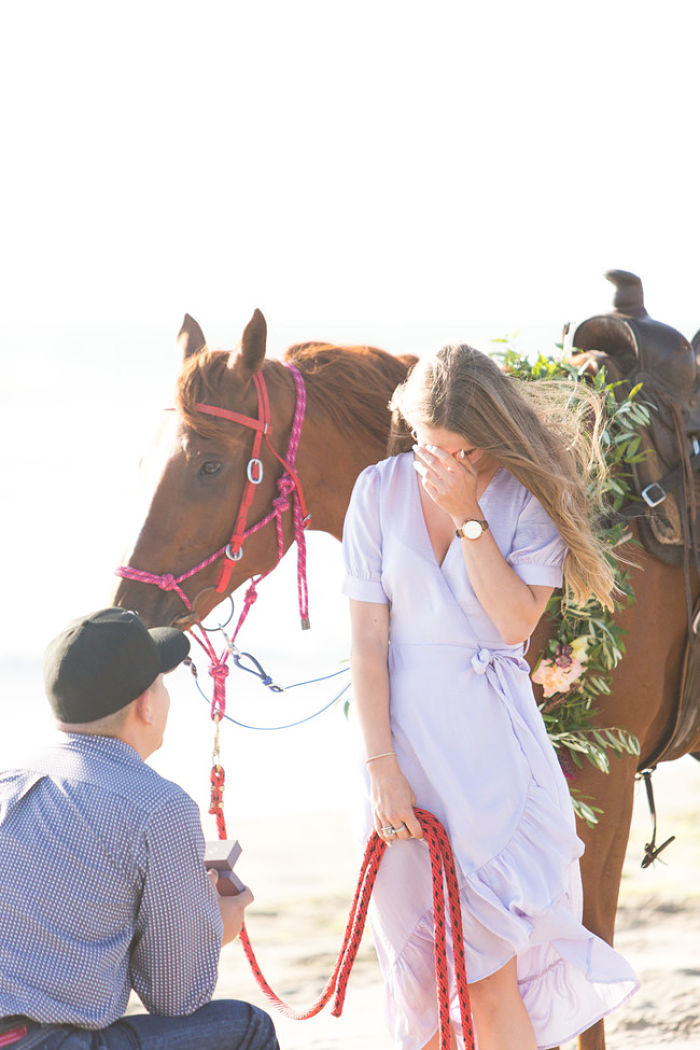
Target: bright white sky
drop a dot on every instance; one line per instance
(385, 168)
(391, 161)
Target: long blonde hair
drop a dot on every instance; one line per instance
(546, 433)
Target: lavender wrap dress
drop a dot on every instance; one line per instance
(473, 746)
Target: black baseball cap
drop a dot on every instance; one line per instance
(103, 661)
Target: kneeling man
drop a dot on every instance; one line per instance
(102, 880)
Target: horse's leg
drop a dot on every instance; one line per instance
(601, 864)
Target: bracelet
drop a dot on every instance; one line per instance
(384, 754)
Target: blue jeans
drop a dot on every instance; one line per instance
(223, 1024)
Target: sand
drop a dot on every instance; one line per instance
(303, 870)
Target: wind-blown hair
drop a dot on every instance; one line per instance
(546, 433)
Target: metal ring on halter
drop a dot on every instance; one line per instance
(231, 556)
(221, 626)
(252, 464)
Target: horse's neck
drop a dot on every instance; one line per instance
(329, 462)
(347, 423)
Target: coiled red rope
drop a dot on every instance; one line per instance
(444, 874)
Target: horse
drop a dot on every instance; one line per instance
(208, 472)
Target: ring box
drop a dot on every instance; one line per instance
(221, 855)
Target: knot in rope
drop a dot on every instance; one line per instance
(281, 504)
(218, 779)
(167, 582)
(285, 484)
(251, 596)
(218, 669)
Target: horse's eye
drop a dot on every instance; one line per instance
(210, 468)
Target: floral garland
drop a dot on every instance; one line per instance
(586, 643)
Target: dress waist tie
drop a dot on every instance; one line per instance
(503, 671)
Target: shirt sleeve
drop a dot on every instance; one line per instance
(179, 930)
(362, 541)
(538, 550)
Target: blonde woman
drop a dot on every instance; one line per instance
(452, 550)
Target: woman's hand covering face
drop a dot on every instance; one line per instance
(449, 478)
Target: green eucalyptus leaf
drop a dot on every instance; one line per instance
(569, 724)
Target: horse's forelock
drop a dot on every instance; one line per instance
(200, 382)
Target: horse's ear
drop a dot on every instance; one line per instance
(190, 339)
(250, 355)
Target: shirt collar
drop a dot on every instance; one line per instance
(105, 746)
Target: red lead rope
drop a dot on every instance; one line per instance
(443, 871)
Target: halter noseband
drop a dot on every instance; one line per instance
(288, 485)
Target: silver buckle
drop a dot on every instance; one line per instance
(255, 464)
(649, 494)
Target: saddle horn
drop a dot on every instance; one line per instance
(629, 294)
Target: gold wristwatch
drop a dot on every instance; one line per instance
(472, 529)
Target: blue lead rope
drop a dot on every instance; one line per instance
(258, 671)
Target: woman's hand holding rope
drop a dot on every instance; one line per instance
(392, 802)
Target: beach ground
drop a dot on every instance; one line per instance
(303, 869)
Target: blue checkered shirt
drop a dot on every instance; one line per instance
(102, 888)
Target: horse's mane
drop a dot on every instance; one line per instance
(351, 385)
(348, 385)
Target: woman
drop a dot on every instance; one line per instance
(452, 551)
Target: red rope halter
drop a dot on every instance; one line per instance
(288, 485)
(443, 873)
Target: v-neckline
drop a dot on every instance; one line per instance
(426, 533)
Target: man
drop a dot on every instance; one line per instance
(102, 880)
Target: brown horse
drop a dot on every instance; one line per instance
(345, 429)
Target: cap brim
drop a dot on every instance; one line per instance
(172, 645)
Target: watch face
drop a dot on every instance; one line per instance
(472, 529)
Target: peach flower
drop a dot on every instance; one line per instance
(554, 679)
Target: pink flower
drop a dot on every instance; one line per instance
(554, 678)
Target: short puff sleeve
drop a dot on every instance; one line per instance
(538, 551)
(362, 541)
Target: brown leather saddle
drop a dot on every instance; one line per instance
(634, 349)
